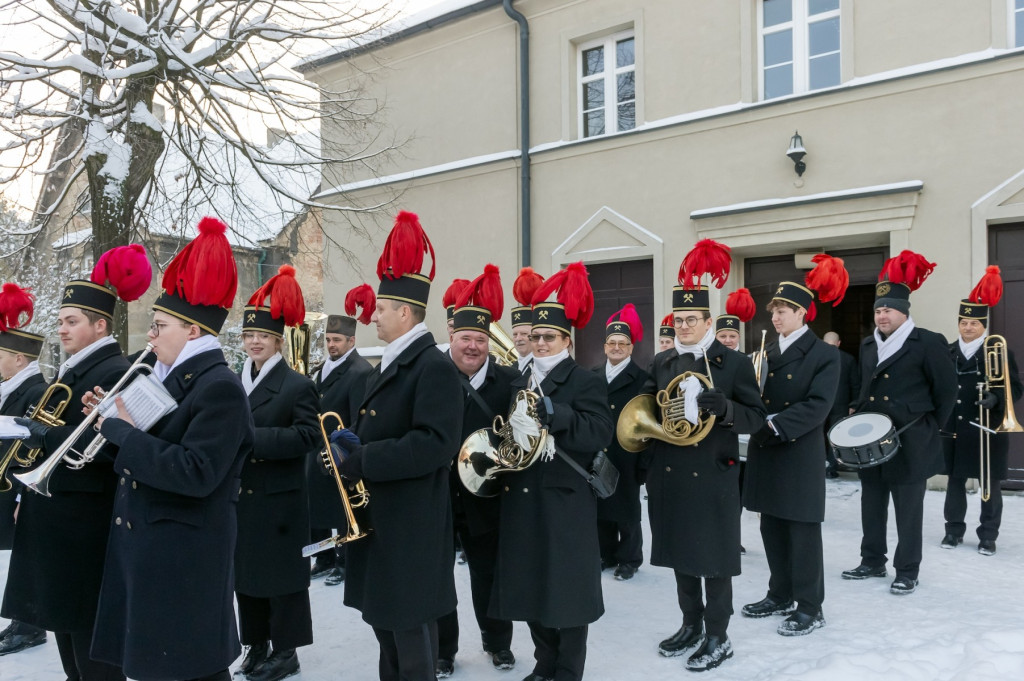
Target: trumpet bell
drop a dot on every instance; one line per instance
(477, 464)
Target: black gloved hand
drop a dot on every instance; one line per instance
(765, 436)
(37, 432)
(351, 466)
(713, 401)
(988, 400)
(544, 410)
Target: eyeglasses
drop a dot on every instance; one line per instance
(156, 327)
(689, 321)
(546, 337)
(617, 344)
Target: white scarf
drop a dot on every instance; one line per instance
(247, 380)
(891, 345)
(610, 372)
(542, 366)
(477, 379)
(393, 349)
(191, 349)
(786, 341)
(332, 364)
(701, 348)
(79, 356)
(523, 361)
(12, 383)
(970, 348)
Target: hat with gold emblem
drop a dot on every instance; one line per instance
(286, 306)
(480, 302)
(400, 265)
(739, 309)
(900, 276)
(526, 284)
(986, 294)
(625, 322)
(450, 294)
(123, 272)
(573, 305)
(707, 257)
(667, 329)
(16, 308)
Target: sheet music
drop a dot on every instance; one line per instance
(146, 400)
(9, 430)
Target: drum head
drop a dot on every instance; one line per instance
(859, 430)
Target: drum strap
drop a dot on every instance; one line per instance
(910, 424)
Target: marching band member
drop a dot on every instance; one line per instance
(907, 374)
(448, 301)
(548, 513)
(784, 480)
(166, 609)
(487, 387)
(22, 387)
(847, 393)
(401, 575)
(57, 591)
(271, 575)
(962, 453)
(618, 517)
(693, 490)
(739, 309)
(666, 334)
(341, 382)
(526, 284)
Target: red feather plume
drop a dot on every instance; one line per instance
(908, 268)
(741, 304)
(706, 257)
(285, 297)
(484, 291)
(361, 296)
(404, 249)
(812, 312)
(127, 269)
(15, 302)
(668, 320)
(204, 273)
(630, 316)
(574, 292)
(453, 291)
(829, 279)
(526, 285)
(990, 289)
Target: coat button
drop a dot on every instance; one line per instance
(605, 450)
(959, 418)
(134, 485)
(128, 525)
(362, 412)
(696, 444)
(789, 377)
(886, 398)
(613, 406)
(668, 469)
(252, 460)
(525, 490)
(117, 521)
(871, 399)
(122, 481)
(373, 412)
(771, 373)
(506, 489)
(321, 396)
(767, 401)
(127, 472)
(695, 474)
(248, 491)
(958, 401)
(785, 404)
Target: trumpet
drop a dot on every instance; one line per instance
(997, 372)
(38, 480)
(48, 416)
(358, 500)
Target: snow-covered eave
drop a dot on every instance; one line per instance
(842, 195)
(72, 239)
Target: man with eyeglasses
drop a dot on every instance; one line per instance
(618, 516)
(693, 490)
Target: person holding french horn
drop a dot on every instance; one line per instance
(988, 385)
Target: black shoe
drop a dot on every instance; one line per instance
(538, 677)
(336, 577)
(865, 571)
(768, 606)
(950, 541)
(901, 586)
(743, 551)
(801, 624)
(503, 659)
(712, 652)
(444, 668)
(831, 473)
(7, 630)
(281, 664)
(462, 558)
(254, 657)
(624, 572)
(688, 636)
(607, 565)
(13, 643)
(987, 547)
(320, 570)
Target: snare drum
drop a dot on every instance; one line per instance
(864, 440)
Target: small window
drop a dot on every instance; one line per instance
(1017, 23)
(607, 85)
(799, 46)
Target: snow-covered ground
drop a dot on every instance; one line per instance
(966, 620)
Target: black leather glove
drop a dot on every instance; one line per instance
(765, 436)
(713, 401)
(37, 432)
(988, 400)
(351, 467)
(544, 410)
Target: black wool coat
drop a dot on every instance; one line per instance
(549, 561)
(18, 403)
(480, 514)
(273, 509)
(919, 380)
(847, 387)
(341, 392)
(962, 453)
(57, 563)
(785, 477)
(167, 606)
(624, 505)
(402, 574)
(693, 491)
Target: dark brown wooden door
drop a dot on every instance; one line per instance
(1006, 249)
(615, 284)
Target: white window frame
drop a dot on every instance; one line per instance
(610, 77)
(800, 26)
(1014, 41)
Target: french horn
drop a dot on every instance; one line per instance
(639, 422)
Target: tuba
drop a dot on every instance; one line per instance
(502, 349)
(297, 343)
(491, 451)
(48, 416)
(997, 372)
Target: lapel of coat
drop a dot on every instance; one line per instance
(911, 338)
(269, 387)
(797, 351)
(557, 376)
(379, 379)
(181, 380)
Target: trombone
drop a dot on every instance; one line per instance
(48, 417)
(358, 500)
(997, 372)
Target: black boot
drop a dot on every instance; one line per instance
(281, 664)
(254, 657)
(768, 606)
(16, 642)
(714, 651)
(689, 636)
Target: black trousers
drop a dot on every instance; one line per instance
(908, 502)
(219, 676)
(496, 635)
(73, 648)
(560, 653)
(285, 620)
(955, 510)
(621, 543)
(409, 655)
(715, 611)
(328, 558)
(796, 562)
